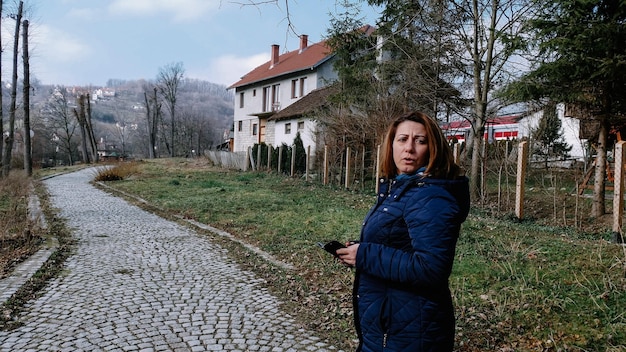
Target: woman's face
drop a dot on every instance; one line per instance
(410, 147)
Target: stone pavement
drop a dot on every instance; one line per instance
(139, 282)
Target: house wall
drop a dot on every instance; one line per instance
(245, 138)
(326, 74)
(253, 104)
(570, 129)
(270, 133)
(307, 132)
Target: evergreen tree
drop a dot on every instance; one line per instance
(415, 61)
(355, 57)
(300, 162)
(548, 137)
(581, 62)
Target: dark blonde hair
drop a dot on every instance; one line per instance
(440, 159)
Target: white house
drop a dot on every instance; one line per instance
(570, 130)
(263, 95)
(275, 85)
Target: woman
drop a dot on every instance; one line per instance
(405, 254)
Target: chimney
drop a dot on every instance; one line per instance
(274, 55)
(304, 42)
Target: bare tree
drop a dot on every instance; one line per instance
(195, 127)
(61, 123)
(8, 141)
(93, 145)
(122, 134)
(168, 80)
(88, 141)
(484, 28)
(153, 113)
(79, 114)
(28, 155)
(1, 104)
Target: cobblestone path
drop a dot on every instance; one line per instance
(139, 282)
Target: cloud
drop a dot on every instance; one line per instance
(180, 9)
(56, 55)
(82, 13)
(228, 69)
(58, 46)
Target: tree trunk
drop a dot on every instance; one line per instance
(1, 112)
(93, 145)
(598, 207)
(482, 77)
(476, 166)
(80, 116)
(155, 125)
(28, 155)
(149, 122)
(8, 146)
(152, 117)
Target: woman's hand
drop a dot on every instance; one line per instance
(348, 255)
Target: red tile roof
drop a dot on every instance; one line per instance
(292, 61)
(316, 99)
(297, 60)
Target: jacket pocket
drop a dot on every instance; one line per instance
(385, 319)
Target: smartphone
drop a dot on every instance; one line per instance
(331, 247)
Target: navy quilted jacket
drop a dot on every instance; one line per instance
(404, 260)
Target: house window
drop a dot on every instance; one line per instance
(294, 89)
(275, 96)
(254, 92)
(300, 125)
(288, 128)
(270, 98)
(239, 126)
(254, 129)
(266, 99)
(241, 100)
(302, 86)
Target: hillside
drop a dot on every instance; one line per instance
(204, 115)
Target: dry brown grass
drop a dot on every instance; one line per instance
(18, 240)
(116, 172)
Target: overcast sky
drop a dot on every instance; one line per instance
(87, 42)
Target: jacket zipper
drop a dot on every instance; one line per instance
(384, 340)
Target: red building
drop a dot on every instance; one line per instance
(497, 128)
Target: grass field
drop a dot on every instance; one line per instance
(552, 282)
(517, 285)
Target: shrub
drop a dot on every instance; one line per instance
(116, 173)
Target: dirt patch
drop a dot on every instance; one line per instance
(15, 251)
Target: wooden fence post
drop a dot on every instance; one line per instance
(246, 160)
(346, 184)
(377, 168)
(258, 157)
(325, 168)
(269, 157)
(521, 175)
(293, 160)
(363, 167)
(308, 157)
(280, 158)
(618, 192)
